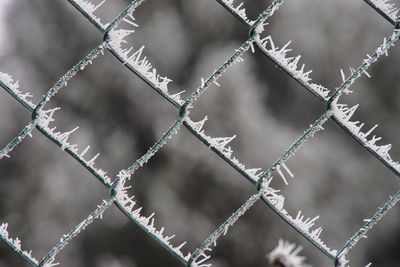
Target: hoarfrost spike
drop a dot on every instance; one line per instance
(130, 19)
(287, 169)
(198, 126)
(253, 171)
(90, 8)
(343, 76)
(286, 254)
(84, 151)
(278, 168)
(91, 161)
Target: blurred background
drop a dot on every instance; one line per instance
(44, 192)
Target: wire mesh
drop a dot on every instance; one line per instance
(113, 38)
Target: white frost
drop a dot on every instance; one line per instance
(387, 7)
(129, 205)
(238, 9)
(344, 114)
(138, 61)
(286, 254)
(290, 64)
(14, 86)
(90, 8)
(15, 243)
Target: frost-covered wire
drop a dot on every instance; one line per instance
(138, 63)
(369, 224)
(386, 8)
(15, 244)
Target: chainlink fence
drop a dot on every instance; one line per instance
(113, 41)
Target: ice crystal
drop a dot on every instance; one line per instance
(238, 9)
(139, 62)
(220, 143)
(286, 255)
(272, 195)
(370, 223)
(382, 49)
(49, 259)
(90, 8)
(280, 172)
(304, 225)
(199, 256)
(8, 81)
(15, 243)
(344, 114)
(290, 64)
(387, 7)
(62, 138)
(147, 223)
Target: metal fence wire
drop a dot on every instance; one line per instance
(114, 34)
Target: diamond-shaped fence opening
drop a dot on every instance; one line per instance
(351, 192)
(13, 112)
(319, 31)
(115, 40)
(39, 208)
(106, 118)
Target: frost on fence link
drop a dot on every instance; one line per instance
(302, 224)
(12, 87)
(137, 60)
(344, 114)
(144, 69)
(199, 257)
(128, 205)
(383, 49)
(290, 64)
(370, 223)
(15, 244)
(221, 145)
(90, 8)
(387, 7)
(36, 111)
(238, 9)
(61, 138)
(49, 259)
(9, 82)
